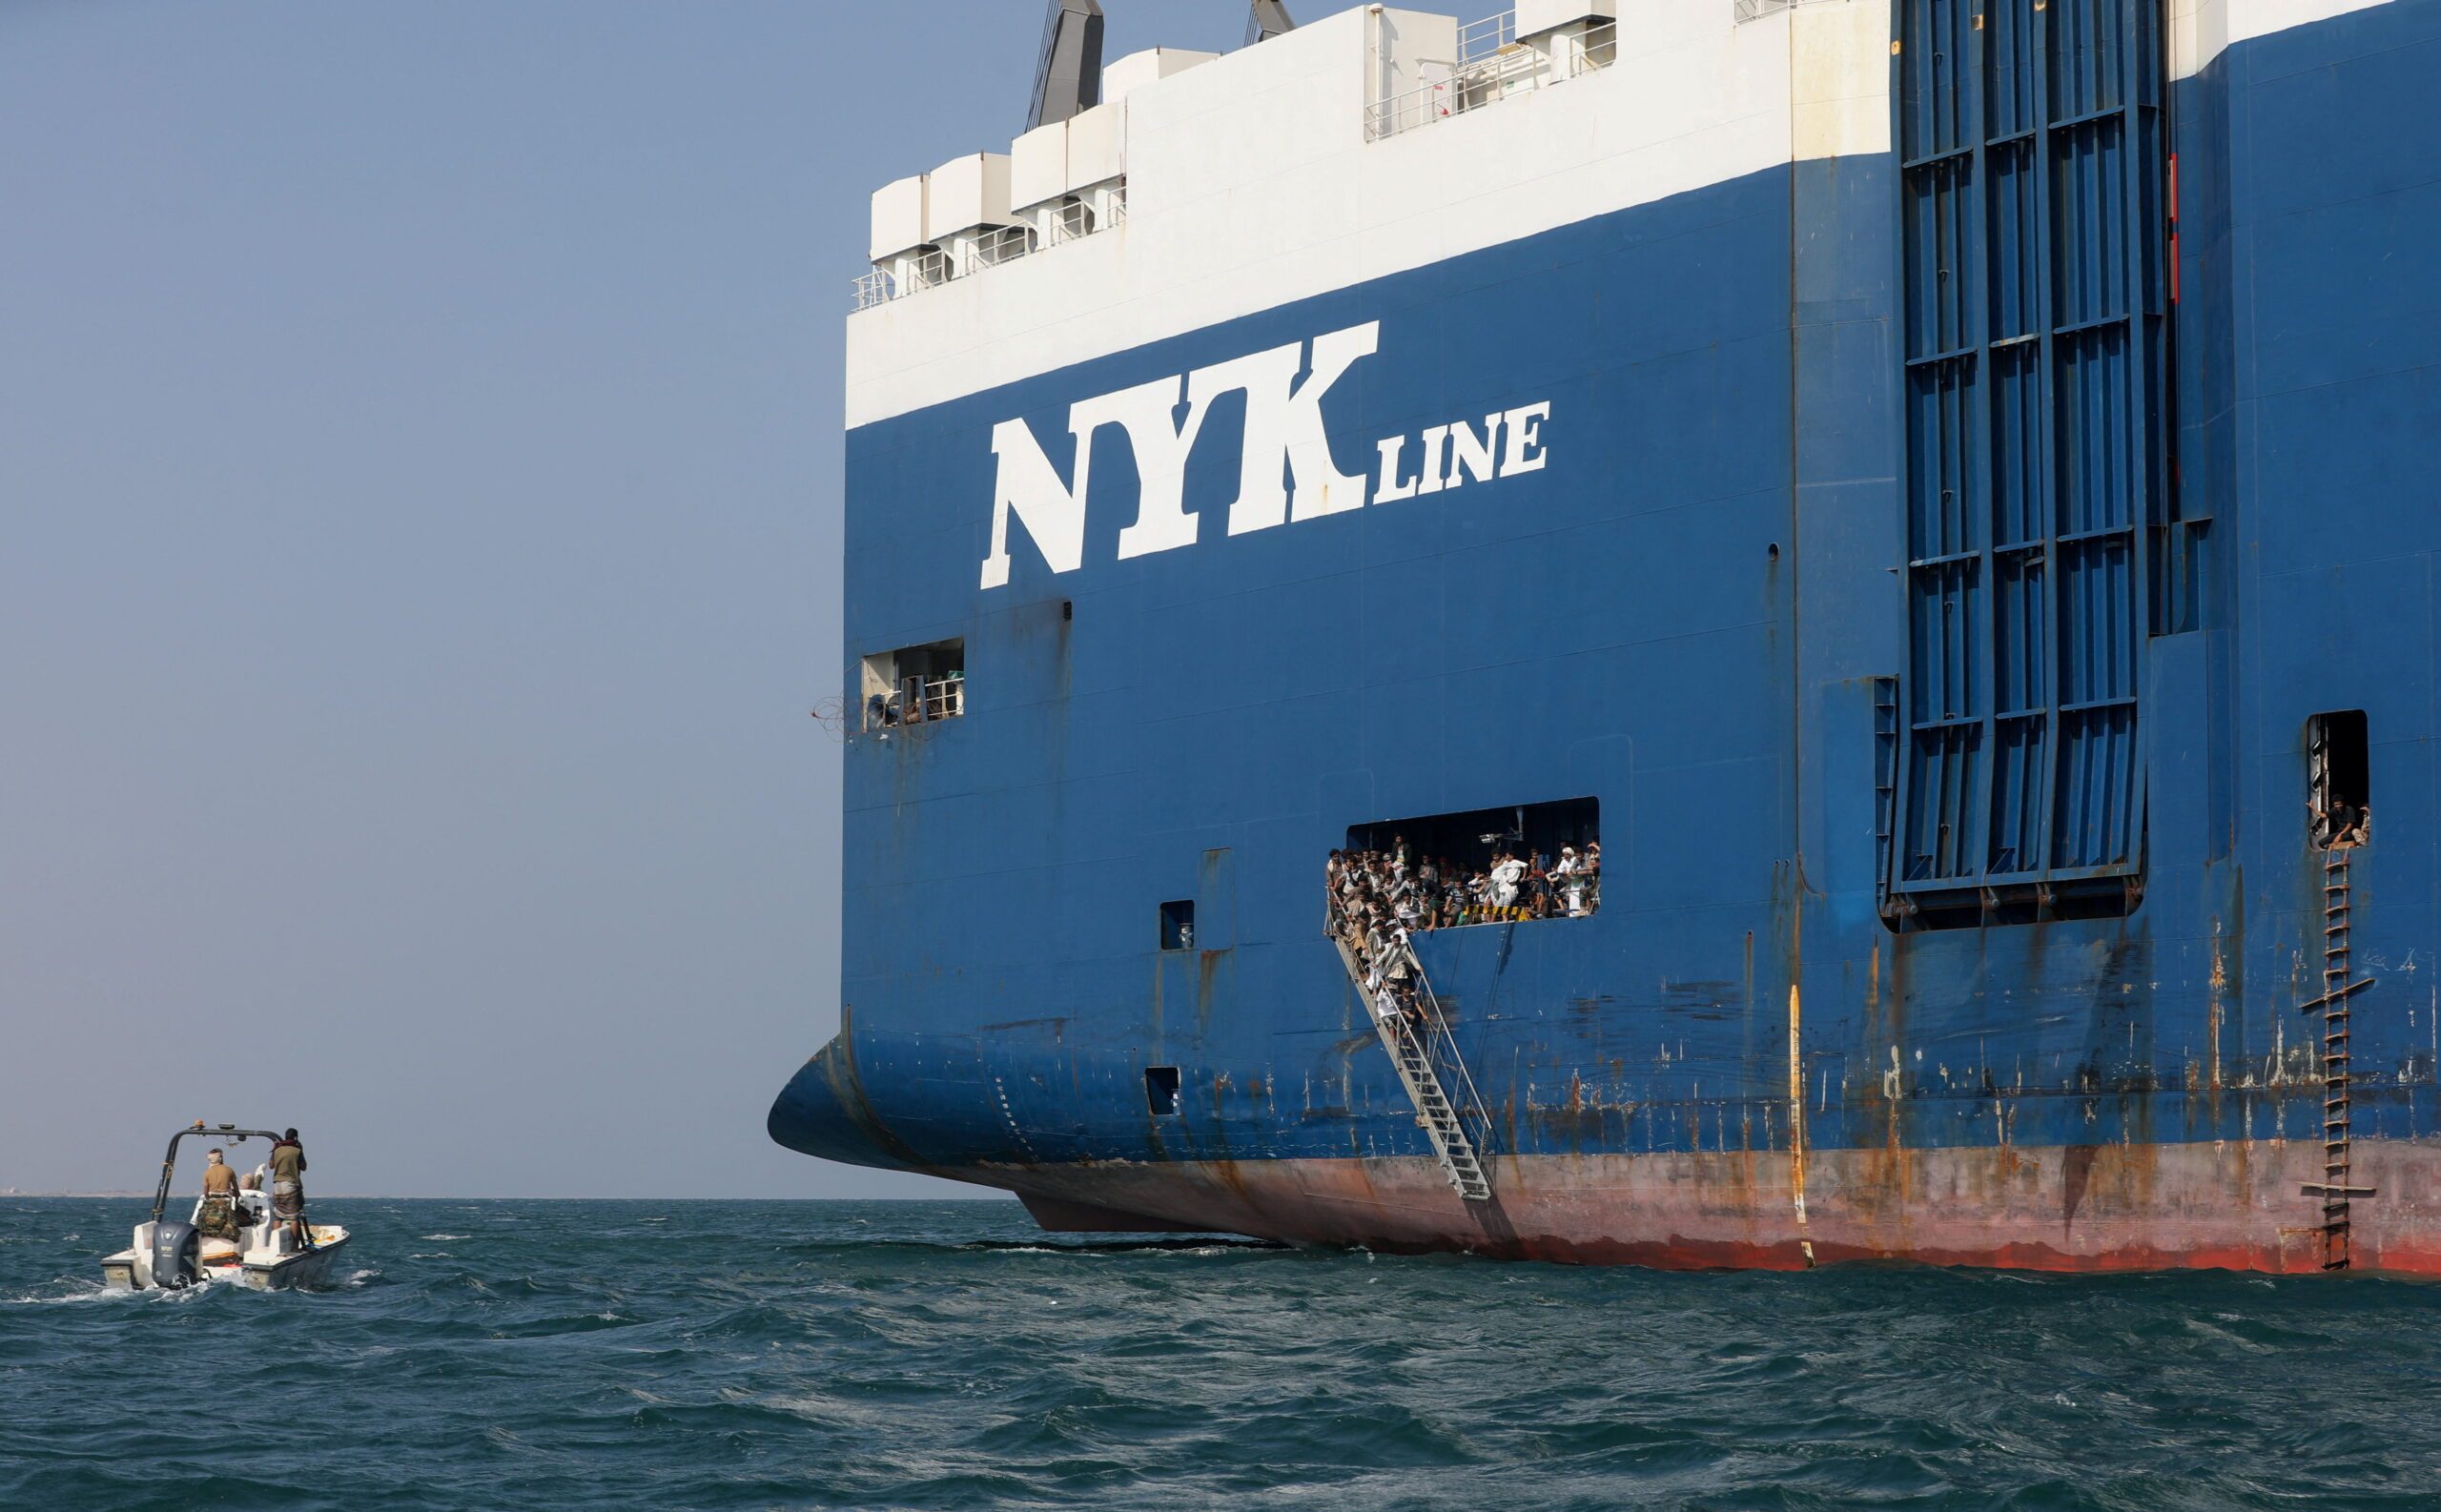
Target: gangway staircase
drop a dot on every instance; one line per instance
(2340, 987)
(1417, 1035)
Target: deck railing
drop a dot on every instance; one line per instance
(915, 701)
(1491, 66)
(1072, 221)
(1426, 1020)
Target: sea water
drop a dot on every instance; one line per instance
(703, 1354)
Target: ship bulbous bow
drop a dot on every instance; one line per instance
(823, 1111)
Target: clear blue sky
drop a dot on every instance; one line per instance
(419, 474)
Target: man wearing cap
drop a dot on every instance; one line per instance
(219, 1217)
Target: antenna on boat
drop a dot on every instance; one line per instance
(1268, 19)
(1068, 77)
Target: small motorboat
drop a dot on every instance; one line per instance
(168, 1254)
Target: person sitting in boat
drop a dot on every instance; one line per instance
(288, 1187)
(218, 1218)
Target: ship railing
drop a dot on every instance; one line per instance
(876, 287)
(1478, 40)
(928, 270)
(1073, 220)
(905, 276)
(1596, 47)
(916, 701)
(1756, 9)
(1491, 66)
(993, 247)
(944, 698)
(1440, 1044)
(1004, 244)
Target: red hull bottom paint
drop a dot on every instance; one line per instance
(2234, 1206)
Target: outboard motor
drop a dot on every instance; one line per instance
(175, 1249)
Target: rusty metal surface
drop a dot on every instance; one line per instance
(1739, 1054)
(2084, 1208)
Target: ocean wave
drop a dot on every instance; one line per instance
(951, 1356)
(71, 1292)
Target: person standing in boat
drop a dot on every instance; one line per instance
(288, 1187)
(219, 1217)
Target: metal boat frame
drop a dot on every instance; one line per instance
(269, 1267)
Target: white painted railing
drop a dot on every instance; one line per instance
(1492, 66)
(873, 288)
(966, 257)
(944, 698)
(1757, 10)
(918, 701)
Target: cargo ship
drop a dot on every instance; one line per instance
(1939, 496)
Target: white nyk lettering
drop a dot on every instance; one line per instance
(1392, 488)
(1307, 445)
(1473, 455)
(1285, 469)
(1026, 485)
(1161, 448)
(1268, 378)
(1523, 424)
(1436, 456)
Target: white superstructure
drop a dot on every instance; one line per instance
(1217, 187)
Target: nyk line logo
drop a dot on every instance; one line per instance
(1286, 472)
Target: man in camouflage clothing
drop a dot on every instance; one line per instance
(218, 1218)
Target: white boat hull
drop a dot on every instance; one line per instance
(306, 1268)
(263, 1268)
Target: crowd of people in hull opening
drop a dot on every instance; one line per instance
(1401, 889)
(1379, 897)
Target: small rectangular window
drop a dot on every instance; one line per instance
(2339, 774)
(914, 684)
(1178, 926)
(1161, 1090)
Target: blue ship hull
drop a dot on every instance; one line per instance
(1961, 901)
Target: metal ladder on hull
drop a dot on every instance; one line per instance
(1419, 1046)
(2339, 991)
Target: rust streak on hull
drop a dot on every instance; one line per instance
(2135, 1208)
